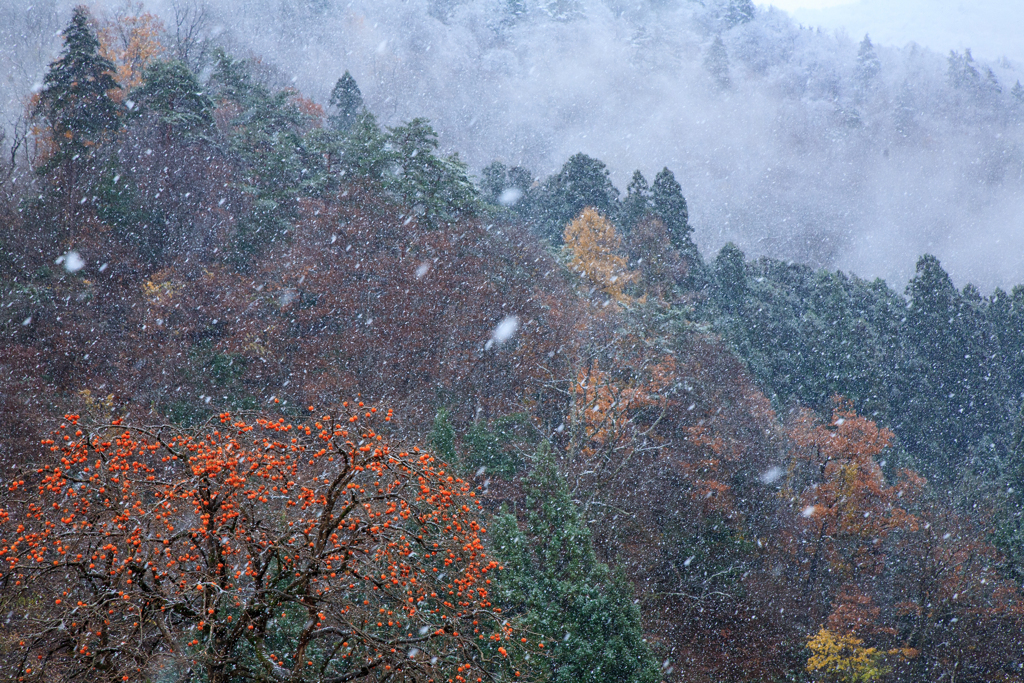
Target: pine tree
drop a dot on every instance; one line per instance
(582, 608)
(739, 12)
(730, 274)
(582, 181)
(951, 406)
(75, 100)
(1018, 93)
(505, 185)
(716, 61)
(172, 92)
(637, 204)
(280, 164)
(962, 72)
(348, 102)
(868, 64)
(992, 85)
(363, 152)
(436, 188)
(493, 180)
(670, 206)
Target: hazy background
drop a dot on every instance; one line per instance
(799, 155)
(991, 27)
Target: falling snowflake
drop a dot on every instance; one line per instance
(503, 332)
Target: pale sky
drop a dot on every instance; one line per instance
(991, 28)
(790, 5)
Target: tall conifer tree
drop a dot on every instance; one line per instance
(75, 100)
(868, 64)
(716, 61)
(583, 608)
(637, 203)
(347, 101)
(670, 206)
(582, 181)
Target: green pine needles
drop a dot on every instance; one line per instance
(76, 98)
(583, 609)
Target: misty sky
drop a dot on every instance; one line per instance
(991, 28)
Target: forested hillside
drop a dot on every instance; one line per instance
(792, 142)
(287, 394)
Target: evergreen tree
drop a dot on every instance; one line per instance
(1006, 316)
(583, 609)
(868, 64)
(364, 154)
(1009, 525)
(951, 406)
(670, 206)
(279, 162)
(172, 92)
(739, 12)
(716, 61)
(442, 437)
(1018, 93)
(504, 185)
(1017, 445)
(962, 72)
(992, 85)
(730, 277)
(436, 188)
(347, 101)
(135, 219)
(637, 204)
(582, 181)
(75, 100)
(493, 179)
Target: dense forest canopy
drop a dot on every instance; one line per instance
(289, 394)
(793, 143)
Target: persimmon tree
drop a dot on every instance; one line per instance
(247, 550)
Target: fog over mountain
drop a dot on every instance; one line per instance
(787, 141)
(941, 25)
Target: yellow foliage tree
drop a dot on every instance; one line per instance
(593, 248)
(131, 40)
(838, 658)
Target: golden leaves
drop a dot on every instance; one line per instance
(593, 247)
(843, 658)
(158, 289)
(131, 42)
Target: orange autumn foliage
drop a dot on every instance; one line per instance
(593, 247)
(131, 40)
(604, 407)
(850, 507)
(248, 550)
